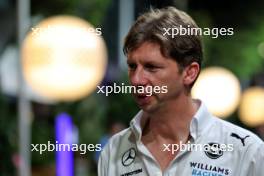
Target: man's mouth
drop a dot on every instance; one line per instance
(142, 99)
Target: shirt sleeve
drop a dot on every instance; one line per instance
(259, 160)
(253, 161)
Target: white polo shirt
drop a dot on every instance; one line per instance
(125, 154)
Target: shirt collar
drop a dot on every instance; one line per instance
(136, 126)
(201, 121)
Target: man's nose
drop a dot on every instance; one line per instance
(138, 78)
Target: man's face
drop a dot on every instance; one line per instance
(148, 67)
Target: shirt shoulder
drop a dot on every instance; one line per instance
(242, 139)
(114, 150)
(117, 142)
(119, 137)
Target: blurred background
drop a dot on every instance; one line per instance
(26, 118)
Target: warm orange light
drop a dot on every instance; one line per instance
(251, 111)
(64, 58)
(219, 89)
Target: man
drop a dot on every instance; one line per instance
(167, 120)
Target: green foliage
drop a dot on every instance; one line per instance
(92, 10)
(8, 136)
(122, 107)
(42, 132)
(238, 53)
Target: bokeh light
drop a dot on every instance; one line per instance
(64, 58)
(219, 89)
(251, 110)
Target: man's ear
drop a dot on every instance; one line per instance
(190, 73)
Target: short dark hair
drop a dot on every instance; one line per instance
(149, 27)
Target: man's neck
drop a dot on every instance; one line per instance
(171, 122)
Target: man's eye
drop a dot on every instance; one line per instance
(132, 66)
(150, 67)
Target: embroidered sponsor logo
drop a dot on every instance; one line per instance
(201, 169)
(241, 138)
(213, 150)
(129, 157)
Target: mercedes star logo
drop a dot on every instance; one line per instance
(129, 157)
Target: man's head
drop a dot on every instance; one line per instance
(152, 27)
(155, 59)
